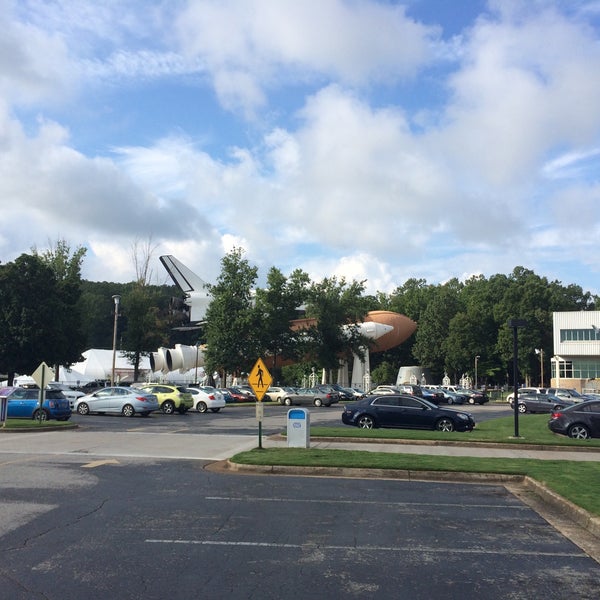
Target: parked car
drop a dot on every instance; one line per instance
(207, 398)
(384, 389)
(344, 393)
(408, 412)
(240, 395)
(67, 391)
(580, 421)
(126, 401)
(171, 398)
(434, 396)
(411, 389)
(277, 393)
(24, 403)
(540, 403)
(333, 396)
(473, 396)
(449, 397)
(526, 390)
(312, 396)
(568, 393)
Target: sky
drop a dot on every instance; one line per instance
(373, 140)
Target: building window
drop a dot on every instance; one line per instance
(591, 334)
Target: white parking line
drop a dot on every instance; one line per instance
(245, 500)
(403, 549)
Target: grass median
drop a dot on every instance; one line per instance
(577, 481)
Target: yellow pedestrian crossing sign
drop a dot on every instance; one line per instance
(260, 379)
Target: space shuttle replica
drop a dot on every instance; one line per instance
(384, 330)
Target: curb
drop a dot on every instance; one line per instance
(364, 473)
(577, 514)
(37, 429)
(281, 438)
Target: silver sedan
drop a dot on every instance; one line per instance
(120, 400)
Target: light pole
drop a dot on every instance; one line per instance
(515, 324)
(116, 298)
(476, 360)
(540, 351)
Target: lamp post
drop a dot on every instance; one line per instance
(116, 299)
(515, 324)
(476, 360)
(540, 351)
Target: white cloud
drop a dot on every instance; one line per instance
(270, 42)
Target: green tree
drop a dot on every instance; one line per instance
(276, 306)
(337, 306)
(434, 326)
(233, 342)
(28, 311)
(144, 324)
(68, 337)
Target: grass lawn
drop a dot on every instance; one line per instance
(577, 481)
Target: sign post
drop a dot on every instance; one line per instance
(41, 376)
(260, 379)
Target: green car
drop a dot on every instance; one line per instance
(171, 398)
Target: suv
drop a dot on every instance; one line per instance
(171, 398)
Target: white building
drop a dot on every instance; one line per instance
(576, 360)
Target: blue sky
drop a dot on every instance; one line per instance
(374, 140)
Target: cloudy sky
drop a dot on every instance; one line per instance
(370, 139)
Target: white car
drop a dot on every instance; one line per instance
(207, 398)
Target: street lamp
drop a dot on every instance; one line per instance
(116, 298)
(540, 351)
(515, 324)
(476, 359)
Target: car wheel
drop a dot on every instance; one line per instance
(450, 401)
(365, 422)
(445, 424)
(318, 402)
(83, 409)
(40, 415)
(522, 408)
(168, 407)
(215, 409)
(128, 410)
(287, 401)
(471, 400)
(579, 432)
(201, 406)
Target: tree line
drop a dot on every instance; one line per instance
(47, 312)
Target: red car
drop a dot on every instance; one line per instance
(241, 395)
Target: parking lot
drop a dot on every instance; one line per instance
(150, 529)
(125, 508)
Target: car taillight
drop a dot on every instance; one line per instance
(556, 415)
(141, 398)
(211, 396)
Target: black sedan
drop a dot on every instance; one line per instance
(408, 412)
(580, 421)
(540, 403)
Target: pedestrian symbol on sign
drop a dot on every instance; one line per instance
(260, 379)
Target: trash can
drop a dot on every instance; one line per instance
(298, 428)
